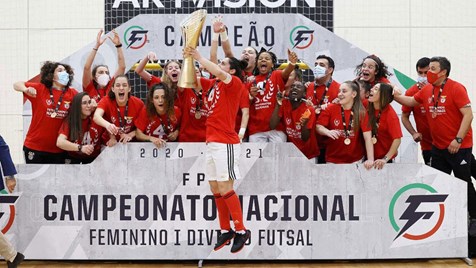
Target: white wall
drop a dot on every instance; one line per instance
(398, 31)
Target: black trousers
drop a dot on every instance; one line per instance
(38, 157)
(460, 164)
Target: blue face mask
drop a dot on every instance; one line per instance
(319, 71)
(422, 80)
(63, 78)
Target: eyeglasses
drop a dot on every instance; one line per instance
(86, 102)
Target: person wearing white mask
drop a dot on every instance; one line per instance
(97, 82)
(322, 92)
(50, 102)
(422, 133)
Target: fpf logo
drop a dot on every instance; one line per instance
(135, 37)
(416, 217)
(7, 203)
(301, 37)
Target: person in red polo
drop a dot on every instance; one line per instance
(422, 133)
(449, 116)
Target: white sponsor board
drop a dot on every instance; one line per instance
(138, 202)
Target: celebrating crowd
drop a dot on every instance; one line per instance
(329, 122)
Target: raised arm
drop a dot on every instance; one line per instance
(87, 74)
(292, 58)
(121, 62)
(140, 69)
(20, 87)
(207, 64)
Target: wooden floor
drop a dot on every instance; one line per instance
(246, 264)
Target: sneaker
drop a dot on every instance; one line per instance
(472, 228)
(18, 259)
(239, 241)
(223, 239)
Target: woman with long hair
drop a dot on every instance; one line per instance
(50, 101)
(384, 124)
(97, 83)
(170, 74)
(373, 70)
(223, 144)
(159, 122)
(118, 112)
(79, 135)
(343, 123)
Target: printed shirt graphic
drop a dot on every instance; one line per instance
(388, 130)
(43, 129)
(110, 112)
(92, 133)
(331, 94)
(98, 93)
(419, 113)
(262, 105)
(160, 126)
(191, 128)
(223, 101)
(446, 124)
(291, 119)
(336, 151)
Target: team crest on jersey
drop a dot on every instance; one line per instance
(113, 119)
(443, 99)
(336, 122)
(66, 104)
(193, 100)
(128, 119)
(288, 121)
(48, 102)
(298, 126)
(31, 155)
(326, 99)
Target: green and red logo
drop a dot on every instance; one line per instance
(135, 37)
(301, 37)
(417, 213)
(7, 211)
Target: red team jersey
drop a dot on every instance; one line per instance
(448, 120)
(262, 106)
(223, 101)
(291, 120)
(318, 94)
(337, 151)
(244, 103)
(91, 135)
(43, 129)
(98, 93)
(158, 126)
(419, 113)
(191, 128)
(135, 105)
(389, 129)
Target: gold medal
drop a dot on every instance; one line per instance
(198, 115)
(53, 114)
(318, 110)
(347, 141)
(374, 140)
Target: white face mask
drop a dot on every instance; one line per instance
(103, 79)
(206, 74)
(422, 80)
(63, 78)
(319, 71)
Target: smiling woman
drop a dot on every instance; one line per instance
(117, 113)
(79, 135)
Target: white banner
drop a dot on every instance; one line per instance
(139, 202)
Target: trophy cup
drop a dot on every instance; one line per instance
(191, 29)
